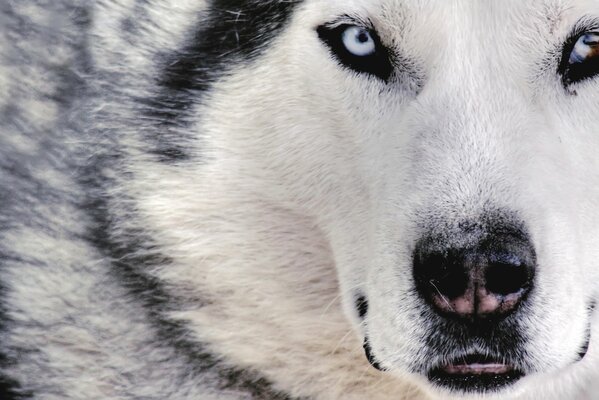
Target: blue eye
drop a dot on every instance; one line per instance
(581, 59)
(357, 48)
(358, 41)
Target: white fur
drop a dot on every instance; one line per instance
(312, 183)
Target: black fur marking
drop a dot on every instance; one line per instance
(370, 356)
(585, 347)
(231, 32)
(362, 306)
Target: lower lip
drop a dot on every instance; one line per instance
(477, 369)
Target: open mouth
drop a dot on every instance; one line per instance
(475, 373)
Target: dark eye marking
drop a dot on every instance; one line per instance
(357, 47)
(580, 57)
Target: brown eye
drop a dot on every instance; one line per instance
(581, 59)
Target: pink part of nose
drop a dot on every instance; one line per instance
(476, 301)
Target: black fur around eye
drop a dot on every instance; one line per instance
(580, 59)
(357, 48)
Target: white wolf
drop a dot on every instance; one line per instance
(232, 199)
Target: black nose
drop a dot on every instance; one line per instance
(487, 277)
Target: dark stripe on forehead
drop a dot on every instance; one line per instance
(230, 32)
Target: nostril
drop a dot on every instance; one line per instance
(442, 274)
(505, 278)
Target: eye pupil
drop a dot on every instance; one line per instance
(363, 37)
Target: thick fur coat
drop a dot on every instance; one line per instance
(208, 199)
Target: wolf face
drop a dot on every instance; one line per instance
(447, 154)
(305, 190)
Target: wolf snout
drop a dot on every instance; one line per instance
(487, 275)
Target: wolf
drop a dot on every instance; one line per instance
(299, 199)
